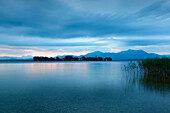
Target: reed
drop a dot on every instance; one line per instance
(156, 70)
(150, 70)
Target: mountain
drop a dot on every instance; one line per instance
(134, 54)
(166, 56)
(124, 55)
(94, 54)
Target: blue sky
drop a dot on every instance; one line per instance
(57, 27)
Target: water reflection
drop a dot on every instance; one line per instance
(56, 69)
(74, 87)
(163, 89)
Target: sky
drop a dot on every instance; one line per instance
(77, 27)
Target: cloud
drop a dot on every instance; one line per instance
(19, 52)
(157, 9)
(146, 42)
(77, 18)
(38, 41)
(78, 25)
(120, 7)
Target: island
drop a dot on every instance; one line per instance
(71, 58)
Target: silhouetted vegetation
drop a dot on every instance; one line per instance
(157, 69)
(152, 74)
(71, 58)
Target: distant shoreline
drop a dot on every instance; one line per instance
(1, 61)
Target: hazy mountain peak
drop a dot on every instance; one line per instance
(97, 52)
(129, 54)
(131, 51)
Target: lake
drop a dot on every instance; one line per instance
(75, 87)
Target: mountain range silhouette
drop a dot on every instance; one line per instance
(123, 55)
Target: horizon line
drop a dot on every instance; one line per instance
(64, 54)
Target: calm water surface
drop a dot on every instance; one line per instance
(75, 87)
